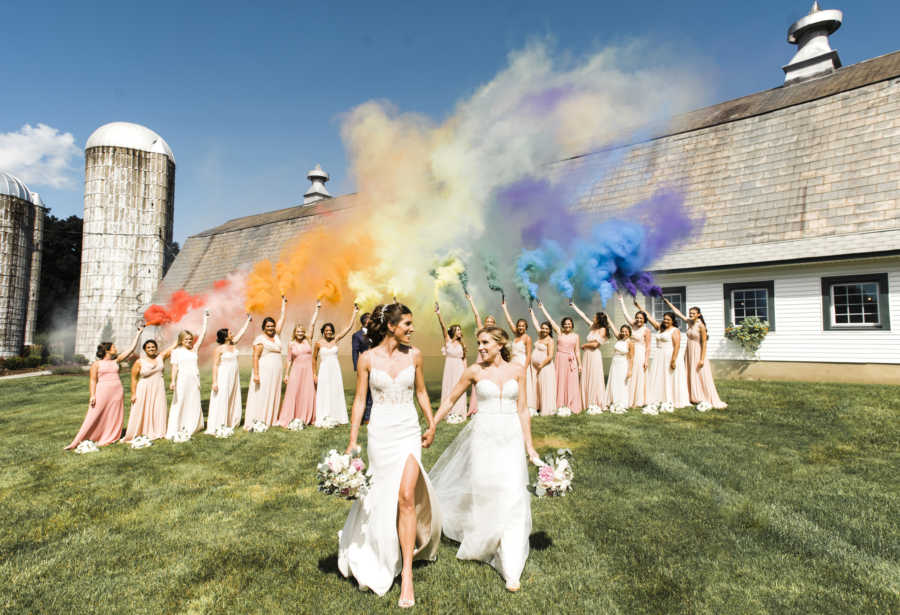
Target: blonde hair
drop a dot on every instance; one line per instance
(294, 332)
(183, 334)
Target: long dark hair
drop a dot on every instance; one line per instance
(674, 320)
(501, 337)
(382, 316)
(221, 336)
(451, 331)
(103, 348)
(700, 316)
(601, 321)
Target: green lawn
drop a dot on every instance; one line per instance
(788, 501)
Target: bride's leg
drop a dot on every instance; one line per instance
(406, 525)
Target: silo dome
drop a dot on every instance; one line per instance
(12, 186)
(132, 136)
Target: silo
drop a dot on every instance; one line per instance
(16, 244)
(34, 281)
(129, 196)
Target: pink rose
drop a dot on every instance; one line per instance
(545, 474)
(358, 464)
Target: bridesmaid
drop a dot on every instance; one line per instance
(148, 394)
(663, 362)
(225, 406)
(186, 412)
(103, 423)
(300, 392)
(264, 396)
(489, 321)
(568, 363)
(331, 403)
(701, 386)
(454, 352)
(544, 369)
(522, 348)
(641, 336)
(592, 378)
(621, 369)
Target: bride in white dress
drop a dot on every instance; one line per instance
(398, 520)
(185, 411)
(481, 479)
(331, 405)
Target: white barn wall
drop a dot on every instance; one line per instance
(799, 334)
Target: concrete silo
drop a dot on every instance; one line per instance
(129, 196)
(34, 283)
(18, 235)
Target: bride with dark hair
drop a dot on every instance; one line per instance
(398, 519)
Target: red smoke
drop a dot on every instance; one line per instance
(179, 304)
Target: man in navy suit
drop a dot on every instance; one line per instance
(360, 345)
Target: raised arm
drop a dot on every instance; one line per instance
(243, 330)
(553, 323)
(509, 320)
(131, 348)
(578, 311)
(280, 323)
(444, 335)
(625, 313)
(652, 322)
(534, 320)
(478, 322)
(675, 309)
(359, 399)
(349, 327)
(315, 317)
(202, 333)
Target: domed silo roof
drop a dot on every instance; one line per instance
(13, 186)
(133, 136)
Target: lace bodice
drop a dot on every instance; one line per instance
(392, 391)
(519, 352)
(621, 348)
(664, 339)
(453, 350)
(693, 332)
(328, 352)
(493, 400)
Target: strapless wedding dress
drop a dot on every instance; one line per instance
(481, 482)
(369, 548)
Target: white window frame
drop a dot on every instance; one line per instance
(765, 292)
(855, 325)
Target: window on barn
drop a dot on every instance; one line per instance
(855, 302)
(747, 299)
(675, 294)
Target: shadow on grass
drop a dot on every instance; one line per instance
(540, 541)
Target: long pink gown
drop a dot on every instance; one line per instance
(637, 386)
(568, 391)
(103, 423)
(592, 379)
(545, 380)
(149, 411)
(682, 398)
(264, 398)
(660, 377)
(520, 357)
(300, 394)
(701, 385)
(454, 366)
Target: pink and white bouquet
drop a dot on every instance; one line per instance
(342, 475)
(555, 474)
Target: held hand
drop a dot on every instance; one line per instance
(283, 300)
(699, 365)
(215, 388)
(355, 308)
(672, 365)
(437, 308)
(351, 449)
(205, 313)
(171, 386)
(571, 302)
(319, 304)
(256, 378)
(533, 457)
(249, 317)
(133, 397)
(93, 401)
(428, 437)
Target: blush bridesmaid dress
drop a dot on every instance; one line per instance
(103, 423)
(592, 378)
(300, 393)
(568, 390)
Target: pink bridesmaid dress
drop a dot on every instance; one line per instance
(592, 378)
(568, 391)
(300, 394)
(637, 386)
(225, 406)
(149, 411)
(701, 385)
(660, 377)
(617, 386)
(545, 380)
(454, 366)
(519, 357)
(263, 399)
(103, 423)
(681, 397)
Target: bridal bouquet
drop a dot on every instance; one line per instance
(594, 409)
(555, 475)
(86, 446)
(326, 423)
(258, 427)
(224, 431)
(667, 406)
(342, 475)
(141, 442)
(651, 409)
(618, 408)
(295, 425)
(564, 411)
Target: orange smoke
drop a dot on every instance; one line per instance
(315, 264)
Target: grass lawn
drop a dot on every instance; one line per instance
(788, 501)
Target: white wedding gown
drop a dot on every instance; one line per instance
(481, 482)
(330, 400)
(368, 547)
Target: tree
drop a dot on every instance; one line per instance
(60, 272)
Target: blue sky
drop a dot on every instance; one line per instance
(249, 96)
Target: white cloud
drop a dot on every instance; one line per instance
(40, 156)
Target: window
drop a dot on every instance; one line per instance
(750, 299)
(855, 303)
(675, 294)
